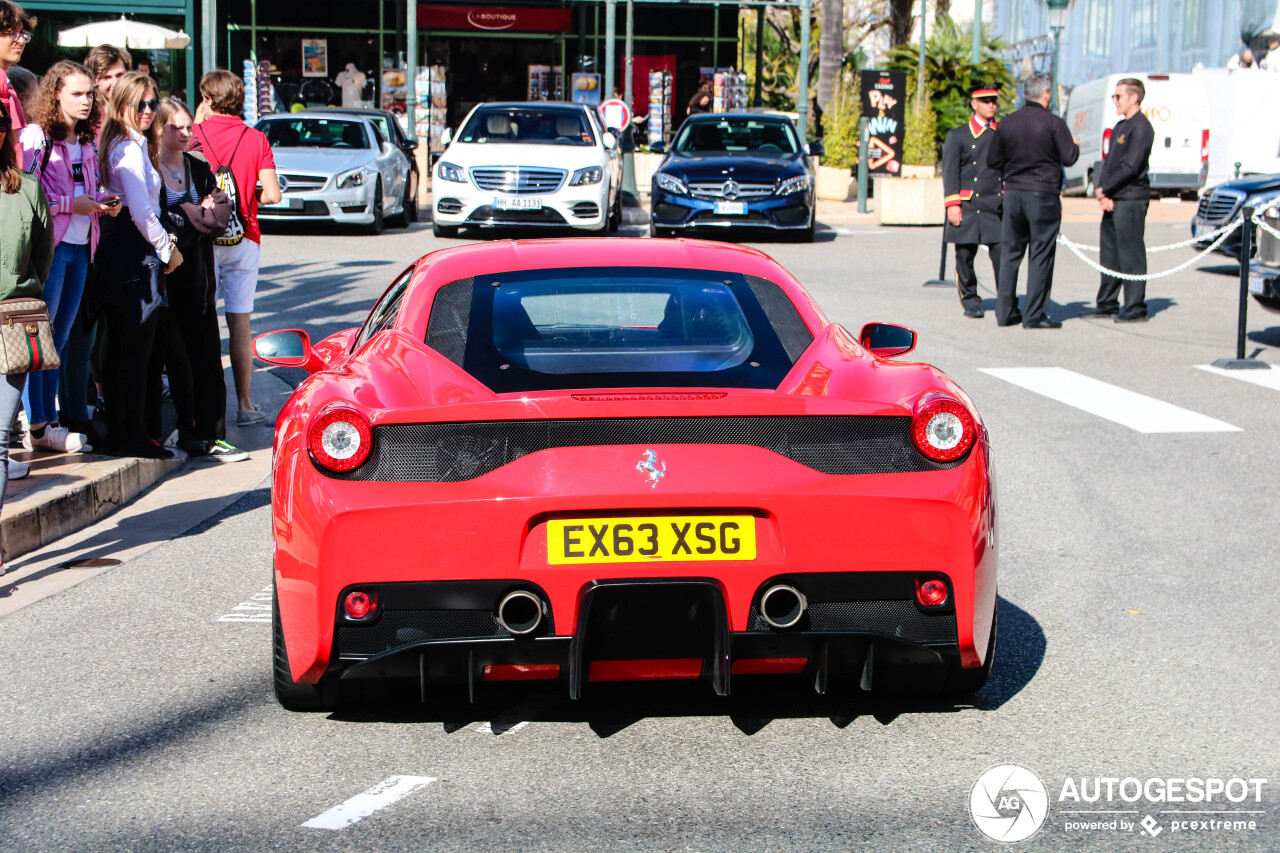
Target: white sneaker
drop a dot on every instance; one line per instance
(60, 439)
(18, 470)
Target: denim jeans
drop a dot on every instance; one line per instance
(10, 398)
(62, 292)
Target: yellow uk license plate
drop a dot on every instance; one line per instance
(639, 540)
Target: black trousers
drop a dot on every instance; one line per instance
(1123, 246)
(189, 346)
(1031, 222)
(967, 278)
(126, 353)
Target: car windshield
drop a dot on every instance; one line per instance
(610, 327)
(315, 133)
(527, 125)
(748, 136)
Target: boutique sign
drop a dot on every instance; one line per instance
(526, 19)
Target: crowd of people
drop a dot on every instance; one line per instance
(129, 216)
(1003, 189)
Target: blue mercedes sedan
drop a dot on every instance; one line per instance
(735, 170)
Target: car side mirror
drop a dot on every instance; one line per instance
(816, 149)
(887, 340)
(610, 139)
(447, 136)
(657, 148)
(287, 348)
(409, 146)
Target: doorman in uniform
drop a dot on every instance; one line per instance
(973, 190)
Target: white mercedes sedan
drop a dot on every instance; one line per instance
(529, 165)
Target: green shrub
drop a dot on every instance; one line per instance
(920, 136)
(840, 123)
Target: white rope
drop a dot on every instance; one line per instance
(1260, 222)
(1199, 238)
(1223, 232)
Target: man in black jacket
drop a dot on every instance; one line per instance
(973, 194)
(1124, 191)
(1031, 149)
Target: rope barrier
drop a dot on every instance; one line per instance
(1223, 233)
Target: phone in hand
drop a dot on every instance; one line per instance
(111, 201)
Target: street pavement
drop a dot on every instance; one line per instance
(1138, 635)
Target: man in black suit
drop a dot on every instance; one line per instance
(973, 194)
(1124, 192)
(1031, 149)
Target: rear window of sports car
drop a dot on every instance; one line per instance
(617, 327)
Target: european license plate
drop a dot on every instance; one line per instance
(730, 208)
(1257, 283)
(640, 540)
(517, 204)
(287, 204)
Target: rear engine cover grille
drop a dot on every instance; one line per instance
(453, 452)
(518, 180)
(899, 619)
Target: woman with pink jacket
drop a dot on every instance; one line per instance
(58, 148)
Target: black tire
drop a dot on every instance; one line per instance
(966, 682)
(444, 230)
(401, 219)
(615, 215)
(326, 695)
(655, 231)
(413, 214)
(805, 236)
(1089, 187)
(378, 223)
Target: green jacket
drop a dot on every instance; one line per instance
(26, 241)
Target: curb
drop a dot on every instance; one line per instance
(95, 489)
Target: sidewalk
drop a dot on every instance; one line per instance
(67, 492)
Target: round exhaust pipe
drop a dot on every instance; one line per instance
(782, 605)
(520, 612)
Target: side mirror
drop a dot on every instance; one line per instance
(887, 340)
(409, 146)
(447, 136)
(816, 149)
(610, 139)
(657, 148)
(287, 348)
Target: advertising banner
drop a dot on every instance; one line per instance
(884, 95)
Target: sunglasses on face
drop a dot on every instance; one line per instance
(988, 100)
(18, 36)
(1115, 97)
(153, 105)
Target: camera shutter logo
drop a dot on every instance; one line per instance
(1009, 803)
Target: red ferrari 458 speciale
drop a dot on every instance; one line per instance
(612, 460)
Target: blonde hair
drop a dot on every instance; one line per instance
(169, 107)
(128, 91)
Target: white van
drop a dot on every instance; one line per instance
(1178, 108)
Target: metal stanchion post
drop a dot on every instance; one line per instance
(941, 280)
(864, 142)
(1246, 251)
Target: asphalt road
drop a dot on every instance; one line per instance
(1138, 635)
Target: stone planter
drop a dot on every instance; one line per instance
(646, 164)
(917, 172)
(835, 183)
(907, 201)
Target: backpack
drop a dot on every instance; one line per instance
(226, 181)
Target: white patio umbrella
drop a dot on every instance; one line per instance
(123, 33)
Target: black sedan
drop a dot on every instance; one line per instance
(1223, 204)
(735, 170)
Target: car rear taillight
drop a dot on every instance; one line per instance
(360, 604)
(340, 439)
(931, 592)
(1204, 145)
(1106, 143)
(943, 430)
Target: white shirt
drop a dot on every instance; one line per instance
(77, 233)
(136, 181)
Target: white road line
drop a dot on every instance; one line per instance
(500, 727)
(1265, 378)
(256, 609)
(361, 806)
(1127, 408)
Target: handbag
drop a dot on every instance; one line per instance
(26, 337)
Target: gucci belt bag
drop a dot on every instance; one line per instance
(26, 337)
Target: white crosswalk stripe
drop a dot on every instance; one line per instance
(1128, 408)
(1265, 378)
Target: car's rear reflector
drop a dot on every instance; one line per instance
(360, 604)
(521, 671)
(931, 592)
(643, 670)
(768, 666)
(649, 396)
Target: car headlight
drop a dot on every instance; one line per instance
(449, 172)
(671, 184)
(798, 184)
(589, 175)
(354, 178)
(1258, 202)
